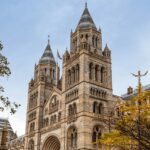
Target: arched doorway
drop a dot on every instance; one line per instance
(52, 143)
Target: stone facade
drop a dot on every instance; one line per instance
(67, 113)
(6, 133)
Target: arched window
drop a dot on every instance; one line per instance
(97, 73)
(32, 126)
(55, 119)
(96, 41)
(31, 145)
(77, 72)
(102, 74)
(86, 36)
(72, 75)
(96, 135)
(93, 40)
(52, 120)
(72, 138)
(69, 77)
(70, 110)
(53, 102)
(59, 117)
(53, 74)
(90, 71)
(47, 121)
(74, 108)
(95, 107)
(100, 108)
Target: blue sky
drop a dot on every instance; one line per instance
(25, 26)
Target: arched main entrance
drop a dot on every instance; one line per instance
(52, 143)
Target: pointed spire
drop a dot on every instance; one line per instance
(47, 56)
(85, 4)
(48, 39)
(106, 48)
(86, 20)
(107, 51)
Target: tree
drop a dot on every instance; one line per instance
(132, 128)
(115, 139)
(5, 71)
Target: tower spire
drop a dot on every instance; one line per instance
(47, 56)
(86, 20)
(48, 39)
(86, 4)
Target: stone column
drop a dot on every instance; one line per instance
(93, 72)
(98, 74)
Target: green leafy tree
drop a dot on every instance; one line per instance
(5, 71)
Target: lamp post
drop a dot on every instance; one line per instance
(139, 76)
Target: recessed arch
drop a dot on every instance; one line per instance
(51, 143)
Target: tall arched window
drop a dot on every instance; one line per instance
(100, 108)
(95, 107)
(93, 41)
(31, 145)
(96, 135)
(72, 138)
(74, 108)
(55, 119)
(96, 72)
(73, 75)
(53, 102)
(69, 77)
(32, 126)
(96, 41)
(77, 72)
(59, 117)
(102, 74)
(90, 71)
(70, 110)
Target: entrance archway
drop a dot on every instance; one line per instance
(52, 143)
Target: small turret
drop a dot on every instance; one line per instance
(107, 51)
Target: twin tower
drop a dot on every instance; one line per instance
(66, 113)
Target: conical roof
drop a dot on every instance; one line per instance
(47, 56)
(106, 48)
(86, 20)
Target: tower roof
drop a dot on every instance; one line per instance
(106, 48)
(86, 20)
(47, 56)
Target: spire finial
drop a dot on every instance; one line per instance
(86, 4)
(48, 38)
